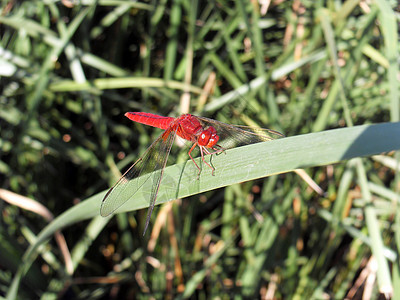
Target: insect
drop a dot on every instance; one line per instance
(210, 136)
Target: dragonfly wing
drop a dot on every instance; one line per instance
(231, 136)
(161, 161)
(150, 166)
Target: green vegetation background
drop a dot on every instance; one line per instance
(71, 69)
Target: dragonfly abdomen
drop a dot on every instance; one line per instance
(150, 119)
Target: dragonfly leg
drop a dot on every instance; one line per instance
(217, 150)
(202, 150)
(190, 151)
(202, 157)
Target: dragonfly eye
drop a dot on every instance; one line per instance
(213, 140)
(204, 138)
(208, 137)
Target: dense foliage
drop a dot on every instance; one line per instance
(71, 69)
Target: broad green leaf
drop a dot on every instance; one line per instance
(238, 165)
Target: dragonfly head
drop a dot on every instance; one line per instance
(208, 137)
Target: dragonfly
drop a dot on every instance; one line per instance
(210, 136)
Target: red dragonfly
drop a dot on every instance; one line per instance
(202, 132)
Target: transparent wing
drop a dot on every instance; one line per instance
(231, 136)
(150, 166)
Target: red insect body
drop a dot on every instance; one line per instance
(150, 119)
(189, 127)
(202, 132)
